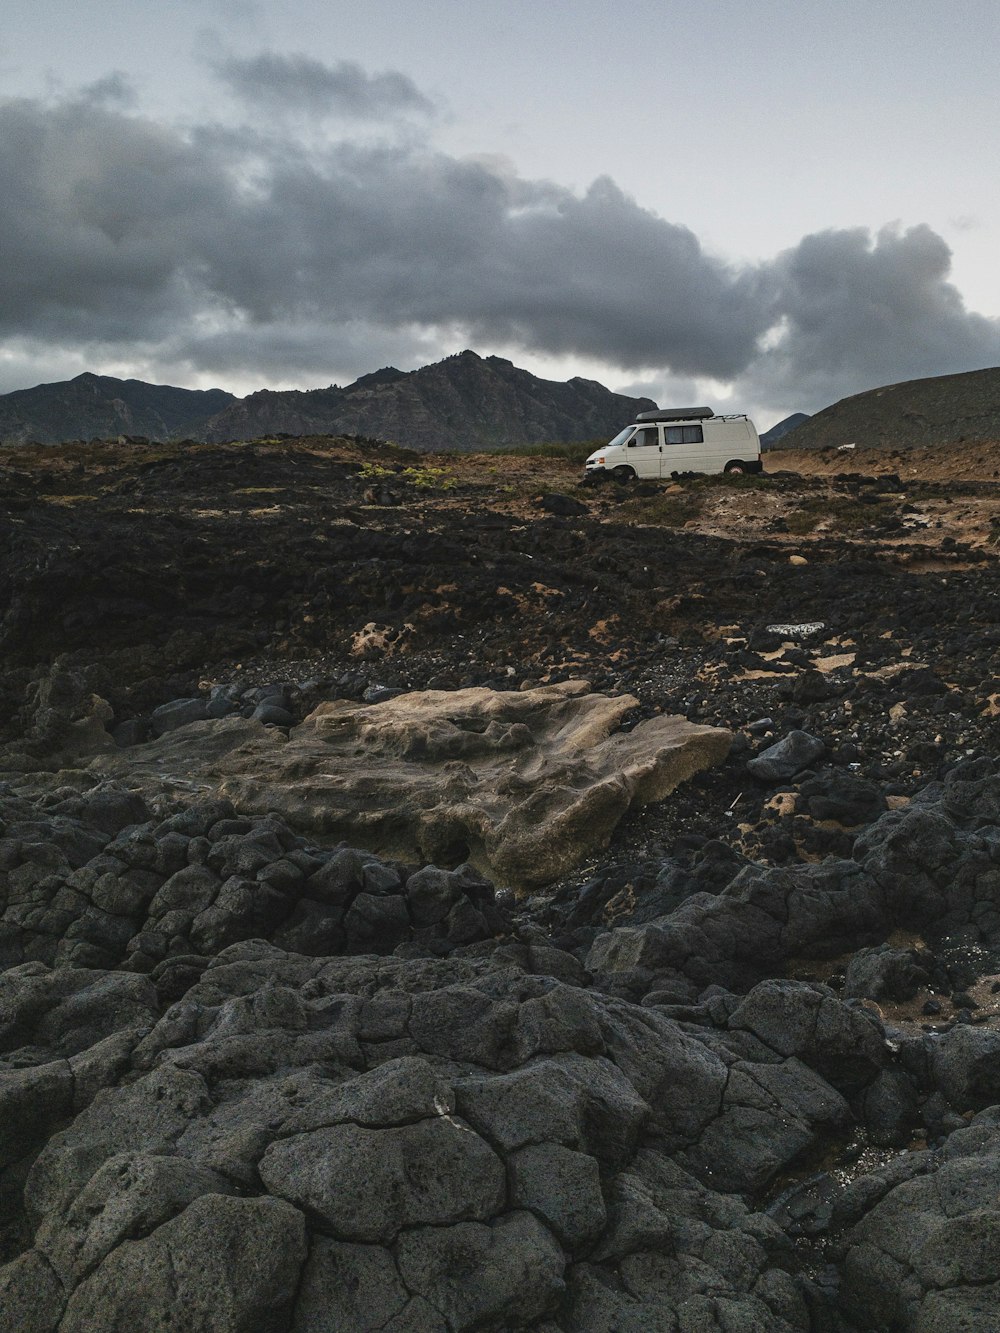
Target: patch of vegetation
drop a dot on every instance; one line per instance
(663, 511)
(429, 478)
(375, 472)
(839, 514)
(421, 478)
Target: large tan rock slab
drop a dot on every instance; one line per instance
(524, 785)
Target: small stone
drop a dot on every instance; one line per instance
(377, 694)
(272, 715)
(563, 505)
(786, 757)
(178, 713)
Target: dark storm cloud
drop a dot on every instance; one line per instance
(241, 250)
(100, 215)
(119, 228)
(344, 89)
(582, 275)
(858, 311)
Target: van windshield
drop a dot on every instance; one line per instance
(620, 438)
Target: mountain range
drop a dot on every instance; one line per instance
(465, 402)
(468, 402)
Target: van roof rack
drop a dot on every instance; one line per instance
(677, 414)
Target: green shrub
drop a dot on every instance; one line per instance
(429, 478)
(375, 472)
(421, 478)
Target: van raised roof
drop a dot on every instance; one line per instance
(677, 414)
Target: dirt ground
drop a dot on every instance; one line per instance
(954, 462)
(851, 595)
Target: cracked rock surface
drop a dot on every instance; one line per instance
(474, 1130)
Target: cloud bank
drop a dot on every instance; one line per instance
(301, 82)
(251, 249)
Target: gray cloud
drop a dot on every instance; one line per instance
(298, 81)
(858, 311)
(318, 351)
(114, 90)
(99, 212)
(243, 252)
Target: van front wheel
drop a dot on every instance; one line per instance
(736, 468)
(623, 474)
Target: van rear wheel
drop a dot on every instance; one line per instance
(623, 474)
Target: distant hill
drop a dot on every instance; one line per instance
(464, 402)
(99, 406)
(947, 409)
(770, 437)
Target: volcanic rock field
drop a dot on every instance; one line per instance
(436, 895)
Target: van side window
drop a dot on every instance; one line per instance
(684, 435)
(647, 435)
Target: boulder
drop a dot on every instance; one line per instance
(521, 785)
(562, 1188)
(886, 973)
(32, 1298)
(178, 713)
(842, 797)
(564, 505)
(369, 1185)
(506, 1275)
(846, 1045)
(357, 1288)
(223, 1263)
(927, 1255)
(193, 883)
(966, 1067)
(786, 757)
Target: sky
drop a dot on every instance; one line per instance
(763, 207)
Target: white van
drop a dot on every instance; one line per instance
(679, 439)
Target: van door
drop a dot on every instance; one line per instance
(684, 450)
(643, 452)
